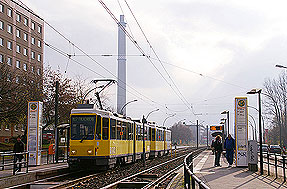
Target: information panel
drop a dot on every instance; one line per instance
(34, 139)
(241, 131)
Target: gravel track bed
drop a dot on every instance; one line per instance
(118, 173)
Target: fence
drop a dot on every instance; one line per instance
(11, 160)
(277, 161)
(189, 175)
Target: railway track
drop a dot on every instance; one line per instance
(157, 173)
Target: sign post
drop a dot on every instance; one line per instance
(241, 131)
(34, 135)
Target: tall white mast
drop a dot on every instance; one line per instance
(121, 93)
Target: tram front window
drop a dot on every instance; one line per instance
(83, 127)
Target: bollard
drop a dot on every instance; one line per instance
(284, 168)
(268, 163)
(3, 161)
(27, 162)
(275, 166)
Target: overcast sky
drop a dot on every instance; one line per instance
(214, 50)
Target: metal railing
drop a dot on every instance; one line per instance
(277, 161)
(11, 160)
(189, 175)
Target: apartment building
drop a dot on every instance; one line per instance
(21, 47)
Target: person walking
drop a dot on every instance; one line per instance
(18, 148)
(217, 150)
(229, 145)
(51, 152)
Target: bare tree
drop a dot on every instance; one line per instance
(276, 106)
(16, 88)
(181, 133)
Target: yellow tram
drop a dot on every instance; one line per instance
(101, 139)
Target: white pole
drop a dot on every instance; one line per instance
(121, 92)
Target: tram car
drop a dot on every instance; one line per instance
(102, 139)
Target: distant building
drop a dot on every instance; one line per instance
(21, 47)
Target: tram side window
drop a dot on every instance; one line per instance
(113, 129)
(98, 128)
(124, 131)
(130, 134)
(105, 128)
(149, 133)
(119, 130)
(153, 134)
(156, 134)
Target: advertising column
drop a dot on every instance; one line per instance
(241, 131)
(34, 135)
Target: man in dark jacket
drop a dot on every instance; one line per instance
(229, 145)
(217, 150)
(18, 148)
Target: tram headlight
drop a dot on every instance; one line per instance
(90, 151)
(73, 152)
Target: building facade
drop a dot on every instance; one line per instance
(21, 48)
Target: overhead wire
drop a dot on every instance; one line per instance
(153, 50)
(140, 49)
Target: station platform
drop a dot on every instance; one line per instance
(7, 178)
(224, 176)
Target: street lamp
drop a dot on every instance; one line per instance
(227, 113)
(258, 91)
(280, 66)
(264, 139)
(182, 120)
(121, 112)
(254, 127)
(144, 120)
(167, 118)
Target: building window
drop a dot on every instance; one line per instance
(25, 36)
(17, 79)
(32, 55)
(39, 57)
(8, 77)
(1, 41)
(1, 8)
(33, 40)
(33, 26)
(1, 25)
(18, 49)
(9, 45)
(39, 43)
(25, 67)
(25, 51)
(39, 29)
(18, 17)
(9, 12)
(1, 58)
(25, 21)
(38, 71)
(32, 69)
(18, 64)
(9, 61)
(18, 33)
(9, 28)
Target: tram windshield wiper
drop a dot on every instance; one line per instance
(85, 135)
